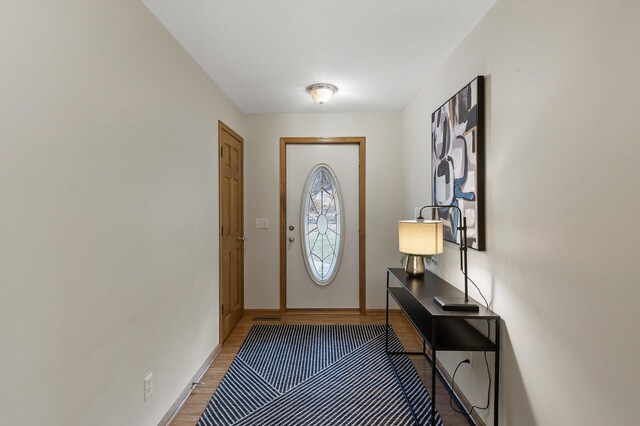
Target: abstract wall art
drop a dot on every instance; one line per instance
(457, 162)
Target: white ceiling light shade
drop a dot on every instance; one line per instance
(322, 92)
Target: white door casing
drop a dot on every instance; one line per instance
(302, 290)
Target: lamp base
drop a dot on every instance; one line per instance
(415, 265)
(455, 304)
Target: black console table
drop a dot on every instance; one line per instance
(442, 330)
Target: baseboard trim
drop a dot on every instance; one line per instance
(271, 313)
(383, 311)
(321, 311)
(182, 398)
(262, 312)
(478, 421)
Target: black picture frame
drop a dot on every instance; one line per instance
(457, 162)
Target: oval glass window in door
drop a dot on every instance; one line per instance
(322, 224)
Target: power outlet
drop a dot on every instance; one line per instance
(148, 386)
(469, 355)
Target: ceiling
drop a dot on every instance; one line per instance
(263, 54)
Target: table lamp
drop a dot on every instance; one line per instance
(419, 238)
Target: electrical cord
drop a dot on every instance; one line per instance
(477, 407)
(453, 384)
(486, 361)
(477, 288)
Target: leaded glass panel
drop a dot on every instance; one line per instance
(322, 224)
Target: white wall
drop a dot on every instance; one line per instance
(562, 151)
(108, 182)
(108, 219)
(383, 183)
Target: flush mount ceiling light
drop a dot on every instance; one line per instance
(322, 92)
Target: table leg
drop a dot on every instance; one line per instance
(386, 328)
(496, 374)
(434, 373)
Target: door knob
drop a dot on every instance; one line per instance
(291, 239)
(241, 238)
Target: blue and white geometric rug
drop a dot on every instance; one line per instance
(319, 375)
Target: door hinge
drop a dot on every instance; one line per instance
(222, 151)
(223, 309)
(222, 230)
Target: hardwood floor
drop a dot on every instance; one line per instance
(197, 401)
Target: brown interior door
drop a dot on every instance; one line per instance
(231, 230)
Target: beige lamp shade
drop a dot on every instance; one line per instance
(421, 237)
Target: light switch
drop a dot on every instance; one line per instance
(261, 223)
(148, 386)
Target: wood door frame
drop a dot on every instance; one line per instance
(355, 140)
(223, 127)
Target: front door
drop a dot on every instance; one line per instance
(322, 229)
(231, 230)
